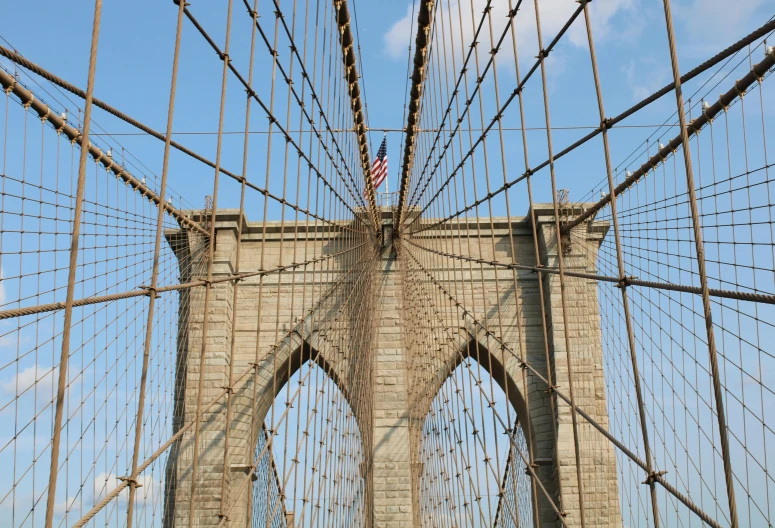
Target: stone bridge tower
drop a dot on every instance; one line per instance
(390, 435)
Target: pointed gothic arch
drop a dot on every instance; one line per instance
(475, 389)
(311, 477)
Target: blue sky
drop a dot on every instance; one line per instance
(137, 39)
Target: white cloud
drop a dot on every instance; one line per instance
(645, 76)
(711, 25)
(601, 13)
(37, 379)
(399, 36)
(42, 377)
(72, 504)
(554, 14)
(10, 340)
(757, 377)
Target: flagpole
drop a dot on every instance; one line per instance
(387, 178)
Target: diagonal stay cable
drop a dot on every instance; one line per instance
(272, 119)
(313, 94)
(52, 307)
(288, 406)
(27, 98)
(608, 123)
(347, 41)
(656, 477)
(692, 128)
(424, 20)
(421, 54)
(627, 281)
(477, 86)
(18, 59)
(490, 402)
(115, 492)
(541, 54)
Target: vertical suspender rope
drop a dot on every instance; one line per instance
(700, 249)
(155, 272)
(73, 266)
(622, 275)
(226, 476)
(561, 263)
(208, 283)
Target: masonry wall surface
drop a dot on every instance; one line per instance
(507, 302)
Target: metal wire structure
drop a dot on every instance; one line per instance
(681, 266)
(136, 314)
(605, 359)
(267, 505)
(516, 485)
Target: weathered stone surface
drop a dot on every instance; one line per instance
(267, 309)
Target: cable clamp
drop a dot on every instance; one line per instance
(552, 388)
(177, 3)
(9, 89)
(228, 389)
(150, 291)
(740, 93)
(721, 101)
(653, 476)
(606, 123)
(29, 103)
(132, 481)
(625, 281)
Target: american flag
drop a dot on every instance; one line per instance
(379, 169)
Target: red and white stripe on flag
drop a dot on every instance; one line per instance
(379, 169)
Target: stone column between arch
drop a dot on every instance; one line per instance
(392, 471)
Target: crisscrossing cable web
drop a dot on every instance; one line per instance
(190, 361)
(617, 352)
(561, 322)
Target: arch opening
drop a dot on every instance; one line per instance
(473, 450)
(310, 449)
